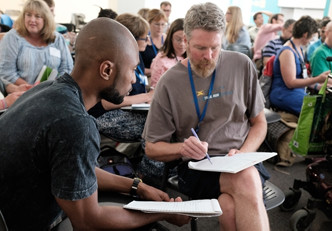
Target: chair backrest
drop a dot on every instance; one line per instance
(265, 81)
(240, 48)
(3, 226)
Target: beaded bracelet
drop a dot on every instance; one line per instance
(4, 104)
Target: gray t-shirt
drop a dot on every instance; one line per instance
(49, 146)
(236, 97)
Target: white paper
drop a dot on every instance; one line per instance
(195, 208)
(231, 164)
(140, 105)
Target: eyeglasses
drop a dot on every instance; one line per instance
(146, 39)
(178, 40)
(159, 24)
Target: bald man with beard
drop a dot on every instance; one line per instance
(49, 143)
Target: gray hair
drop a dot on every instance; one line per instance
(206, 16)
(288, 23)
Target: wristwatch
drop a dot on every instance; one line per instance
(133, 190)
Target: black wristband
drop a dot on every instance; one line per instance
(133, 190)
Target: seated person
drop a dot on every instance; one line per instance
(49, 136)
(290, 76)
(32, 44)
(173, 50)
(9, 93)
(157, 21)
(318, 61)
(225, 106)
(236, 31)
(313, 46)
(273, 46)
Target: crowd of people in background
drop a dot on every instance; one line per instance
(294, 50)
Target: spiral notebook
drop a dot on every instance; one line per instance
(194, 208)
(231, 164)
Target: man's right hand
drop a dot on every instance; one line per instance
(194, 149)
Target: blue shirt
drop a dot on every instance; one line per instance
(49, 146)
(20, 59)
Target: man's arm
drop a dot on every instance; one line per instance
(86, 214)
(112, 182)
(256, 135)
(162, 151)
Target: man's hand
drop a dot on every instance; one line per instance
(147, 192)
(194, 149)
(178, 220)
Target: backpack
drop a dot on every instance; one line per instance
(115, 162)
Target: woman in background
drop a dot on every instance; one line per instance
(157, 21)
(173, 50)
(290, 76)
(32, 44)
(236, 32)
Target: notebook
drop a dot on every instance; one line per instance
(194, 208)
(231, 164)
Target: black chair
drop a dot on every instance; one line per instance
(240, 48)
(3, 226)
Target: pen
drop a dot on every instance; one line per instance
(195, 134)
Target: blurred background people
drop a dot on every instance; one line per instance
(290, 76)
(144, 12)
(173, 50)
(266, 33)
(318, 62)
(157, 21)
(236, 32)
(273, 46)
(259, 21)
(166, 7)
(107, 13)
(32, 44)
(313, 46)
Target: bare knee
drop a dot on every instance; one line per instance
(245, 183)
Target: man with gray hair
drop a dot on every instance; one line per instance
(225, 105)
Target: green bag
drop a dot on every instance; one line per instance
(312, 134)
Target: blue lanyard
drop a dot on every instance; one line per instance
(297, 52)
(199, 115)
(142, 81)
(154, 47)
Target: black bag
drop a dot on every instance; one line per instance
(115, 162)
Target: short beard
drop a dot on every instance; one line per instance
(111, 95)
(203, 68)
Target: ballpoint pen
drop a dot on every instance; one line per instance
(195, 134)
